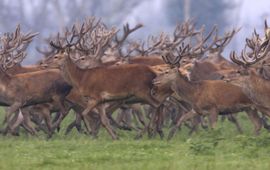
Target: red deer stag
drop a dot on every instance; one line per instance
(21, 90)
(205, 97)
(254, 78)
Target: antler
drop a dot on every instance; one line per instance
(48, 50)
(182, 31)
(173, 58)
(73, 37)
(266, 30)
(118, 43)
(126, 33)
(154, 45)
(13, 47)
(259, 49)
(248, 59)
(100, 38)
(201, 47)
(164, 42)
(220, 43)
(89, 39)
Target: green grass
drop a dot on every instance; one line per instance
(222, 148)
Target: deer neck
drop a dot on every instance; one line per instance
(257, 89)
(5, 90)
(4, 77)
(71, 73)
(185, 89)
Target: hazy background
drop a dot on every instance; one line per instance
(50, 16)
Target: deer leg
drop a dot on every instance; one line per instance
(183, 118)
(95, 122)
(233, 119)
(213, 117)
(141, 118)
(264, 122)
(119, 117)
(204, 123)
(127, 121)
(11, 122)
(13, 108)
(135, 118)
(76, 123)
(63, 111)
(47, 117)
(152, 118)
(56, 118)
(90, 105)
(159, 122)
(110, 110)
(255, 119)
(70, 127)
(28, 124)
(105, 121)
(195, 123)
(137, 110)
(38, 121)
(19, 119)
(264, 119)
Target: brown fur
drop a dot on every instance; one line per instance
(27, 89)
(205, 97)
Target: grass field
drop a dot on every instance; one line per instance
(222, 148)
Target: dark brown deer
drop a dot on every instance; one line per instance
(21, 90)
(205, 97)
(215, 67)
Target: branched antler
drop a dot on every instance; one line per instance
(258, 48)
(89, 40)
(13, 47)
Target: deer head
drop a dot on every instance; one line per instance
(85, 44)
(185, 51)
(254, 55)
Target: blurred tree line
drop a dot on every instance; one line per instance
(50, 16)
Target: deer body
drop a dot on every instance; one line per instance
(205, 70)
(257, 89)
(205, 97)
(109, 83)
(103, 84)
(21, 90)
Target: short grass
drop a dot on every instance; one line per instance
(218, 149)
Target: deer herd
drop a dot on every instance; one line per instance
(122, 83)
